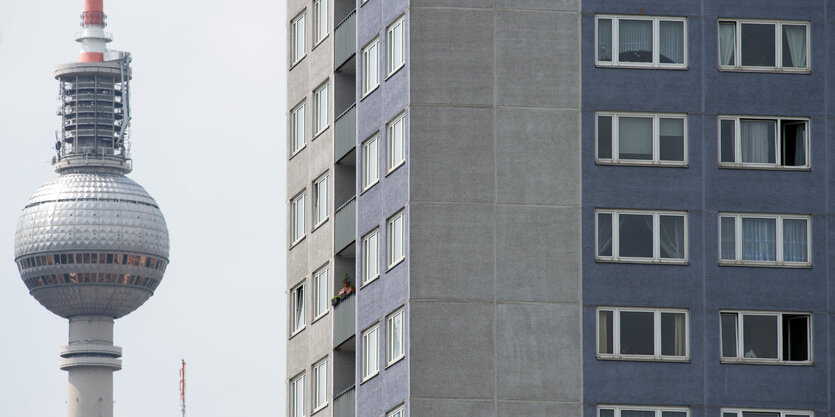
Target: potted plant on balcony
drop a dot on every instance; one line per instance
(347, 289)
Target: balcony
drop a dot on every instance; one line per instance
(344, 227)
(345, 40)
(344, 326)
(343, 403)
(345, 133)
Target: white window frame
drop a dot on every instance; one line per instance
(321, 107)
(399, 411)
(656, 45)
(392, 258)
(369, 252)
(297, 128)
(738, 412)
(370, 61)
(391, 355)
(370, 357)
(298, 43)
(738, 261)
(778, 46)
(294, 300)
(320, 21)
(320, 200)
(321, 288)
(656, 356)
(656, 139)
(319, 372)
(656, 250)
(658, 410)
(395, 159)
(740, 342)
(778, 145)
(296, 383)
(370, 163)
(398, 28)
(298, 222)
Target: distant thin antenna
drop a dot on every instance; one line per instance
(183, 388)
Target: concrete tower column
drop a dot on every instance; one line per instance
(90, 358)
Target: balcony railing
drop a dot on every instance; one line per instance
(343, 403)
(345, 133)
(344, 321)
(344, 225)
(345, 40)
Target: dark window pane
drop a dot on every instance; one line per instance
(637, 333)
(635, 138)
(604, 41)
(673, 334)
(673, 414)
(795, 337)
(727, 236)
(794, 144)
(759, 414)
(727, 140)
(635, 238)
(758, 45)
(759, 336)
(605, 336)
(604, 234)
(604, 137)
(671, 140)
(728, 336)
(730, 415)
(635, 40)
(637, 413)
(607, 412)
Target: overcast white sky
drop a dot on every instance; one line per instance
(208, 143)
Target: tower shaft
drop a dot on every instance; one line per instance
(90, 358)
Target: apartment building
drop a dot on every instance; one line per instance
(561, 208)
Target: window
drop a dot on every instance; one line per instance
(297, 129)
(320, 385)
(370, 67)
(768, 337)
(370, 353)
(395, 350)
(370, 170)
(749, 142)
(642, 334)
(297, 396)
(297, 44)
(396, 146)
(321, 292)
(731, 412)
(320, 20)
(400, 412)
(641, 411)
(643, 139)
(764, 239)
(396, 44)
(396, 239)
(764, 45)
(642, 236)
(320, 109)
(297, 227)
(370, 257)
(297, 309)
(641, 41)
(320, 200)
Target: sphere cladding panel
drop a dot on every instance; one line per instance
(91, 299)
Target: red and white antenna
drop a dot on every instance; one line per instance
(93, 38)
(183, 388)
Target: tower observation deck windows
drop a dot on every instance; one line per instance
(763, 45)
(641, 41)
(765, 240)
(642, 236)
(641, 139)
(766, 337)
(761, 142)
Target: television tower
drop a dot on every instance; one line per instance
(92, 245)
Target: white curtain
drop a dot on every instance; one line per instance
(727, 38)
(672, 236)
(672, 42)
(603, 328)
(794, 240)
(757, 141)
(759, 239)
(681, 335)
(727, 234)
(635, 40)
(795, 38)
(635, 138)
(604, 40)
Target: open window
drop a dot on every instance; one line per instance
(766, 337)
(771, 143)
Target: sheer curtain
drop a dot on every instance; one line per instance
(681, 335)
(794, 37)
(757, 141)
(635, 43)
(794, 240)
(672, 42)
(672, 236)
(727, 38)
(603, 326)
(759, 239)
(604, 40)
(635, 138)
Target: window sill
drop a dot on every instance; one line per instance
(643, 261)
(369, 377)
(293, 155)
(298, 61)
(647, 66)
(296, 243)
(318, 225)
(736, 361)
(296, 333)
(369, 92)
(395, 71)
(315, 319)
(396, 361)
(766, 70)
(397, 262)
(372, 279)
(728, 165)
(320, 408)
(394, 168)
(320, 132)
(642, 163)
(369, 186)
(319, 42)
(765, 264)
(643, 358)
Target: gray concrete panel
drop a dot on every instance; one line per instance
(537, 59)
(529, 409)
(452, 342)
(451, 251)
(471, 4)
(539, 352)
(298, 80)
(534, 148)
(420, 407)
(452, 153)
(451, 56)
(537, 258)
(553, 5)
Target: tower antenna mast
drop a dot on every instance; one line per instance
(183, 387)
